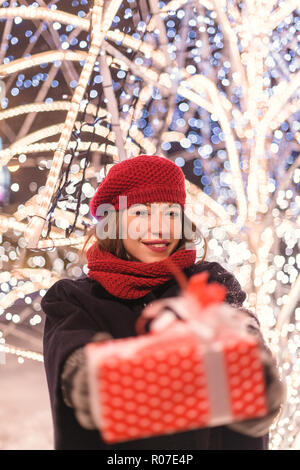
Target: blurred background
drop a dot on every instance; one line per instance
(213, 85)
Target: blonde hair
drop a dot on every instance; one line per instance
(116, 246)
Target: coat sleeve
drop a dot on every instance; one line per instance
(68, 326)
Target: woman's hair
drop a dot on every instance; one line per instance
(116, 247)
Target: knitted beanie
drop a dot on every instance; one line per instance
(142, 179)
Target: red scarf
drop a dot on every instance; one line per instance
(132, 279)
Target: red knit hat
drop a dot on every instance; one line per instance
(146, 178)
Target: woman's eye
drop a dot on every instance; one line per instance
(141, 213)
(173, 213)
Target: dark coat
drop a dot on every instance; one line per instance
(76, 310)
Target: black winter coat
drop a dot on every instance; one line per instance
(76, 310)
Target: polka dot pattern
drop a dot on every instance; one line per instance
(164, 388)
(245, 379)
(159, 392)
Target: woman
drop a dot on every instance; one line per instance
(140, 209)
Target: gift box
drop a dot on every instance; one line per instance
(190, 374)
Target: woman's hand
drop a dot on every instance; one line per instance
(164, 312)
(74, 384)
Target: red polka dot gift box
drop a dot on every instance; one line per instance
(182, 375)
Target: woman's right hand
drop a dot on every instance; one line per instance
(74, 384)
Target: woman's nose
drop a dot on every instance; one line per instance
(160, 225)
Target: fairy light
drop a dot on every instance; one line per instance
(44, 14)
(21, 353)
(41, 58)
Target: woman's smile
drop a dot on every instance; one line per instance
(158, 246)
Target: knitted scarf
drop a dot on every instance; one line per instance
(133, 279)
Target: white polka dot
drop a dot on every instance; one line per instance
(175, 372)
(154, 401)
(176, 385)
(246, 372)
(190, 401)
(156, 414)
(258, 388)
(131, 418)
(187, 376)
(256, 364)
(138, 372)
(173, 360)
(151, 377)
(143, 410)
(200, 381)
(189, 388)
(161, 368)
(166, 405)
(178, 397)
(163, 381)
(168, 417)
(139, 385)
(232, 357)
(186, 364)
(149, 364)
(165, 393)
(250, 409)
(128, 393)
(125, 368)
(152, 389)
(202, 405)
(236, 393)
(144, 423)
(244, 360)
(120, 427)
(119, 414)
(201, 393)
(130, 406)
(246, 384)
(260, 401)
(238, 405)
(133, 431)
(181, 422)
(115, 389)
(179, 409)
(113, 376)
(192, 414)
(248, 397)
(156, 427)
(108, 435)
(233, 369)
(257, 376)
(235, 380)
(116, 401)
(126, 380)
(141, 397)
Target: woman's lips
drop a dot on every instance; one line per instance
(157, 249)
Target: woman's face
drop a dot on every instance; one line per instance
(151, 232)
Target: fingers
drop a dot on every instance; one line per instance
(85, 420)
(101, 336)
(80, 399)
